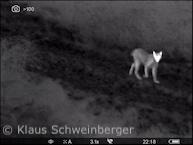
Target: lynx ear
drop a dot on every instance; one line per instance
(154, 54)
(160, 53)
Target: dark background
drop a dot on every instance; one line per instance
(68, 63)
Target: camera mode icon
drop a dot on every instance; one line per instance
(15, 9)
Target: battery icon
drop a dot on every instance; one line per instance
(174, 141)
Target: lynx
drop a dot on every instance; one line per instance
(149, 61)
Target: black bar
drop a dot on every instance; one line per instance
(42, 141)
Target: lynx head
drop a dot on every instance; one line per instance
(157, 56)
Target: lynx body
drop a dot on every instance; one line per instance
(149, 61)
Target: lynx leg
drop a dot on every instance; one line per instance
(154, 74)
(131, 69)
(146, 70)
(137, 65)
